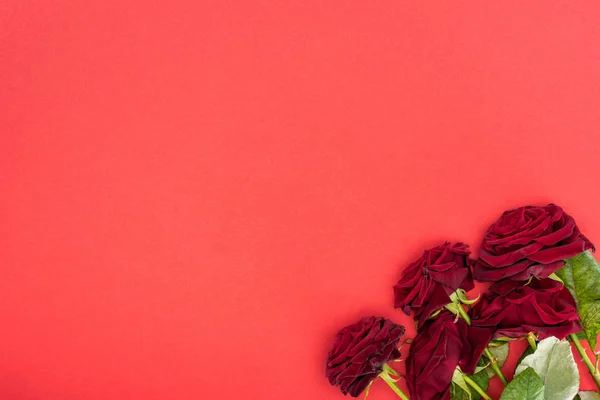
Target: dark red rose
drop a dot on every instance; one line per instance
(529, 241)
(440, 346)
(360, 352)
(426, 284)
(544, 306)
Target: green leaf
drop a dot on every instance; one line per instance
(501, 353)
(526, 386)
(581, 275)
(528, 351)
(554, 364)
(482, 380)
(458, 391)
(459, 381)
(588, 396)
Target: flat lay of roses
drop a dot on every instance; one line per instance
(544, 288)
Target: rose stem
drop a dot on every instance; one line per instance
(475, 386)
(396, 389)
(586, 359)
(531, 341)
(494, 365)
(489, 355)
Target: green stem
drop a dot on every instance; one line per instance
(475, 386)
(489, 355)
(593, 370)
(396, 389)
(495, 366)
(531, 341)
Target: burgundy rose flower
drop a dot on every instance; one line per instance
(529, 241)
(544, 306)
(426, 284)
(434, 354)
(360, 352)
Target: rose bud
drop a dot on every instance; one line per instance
(434, 354)
(360, 351)
(426, 284)
(529, 241)
(544, 306)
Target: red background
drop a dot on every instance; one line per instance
(195, 196)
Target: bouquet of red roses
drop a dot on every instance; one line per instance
(544, 288)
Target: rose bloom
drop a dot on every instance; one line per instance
(426, 284)
(529, 241)
(360, 351)
(440, 346)
(544, 306)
